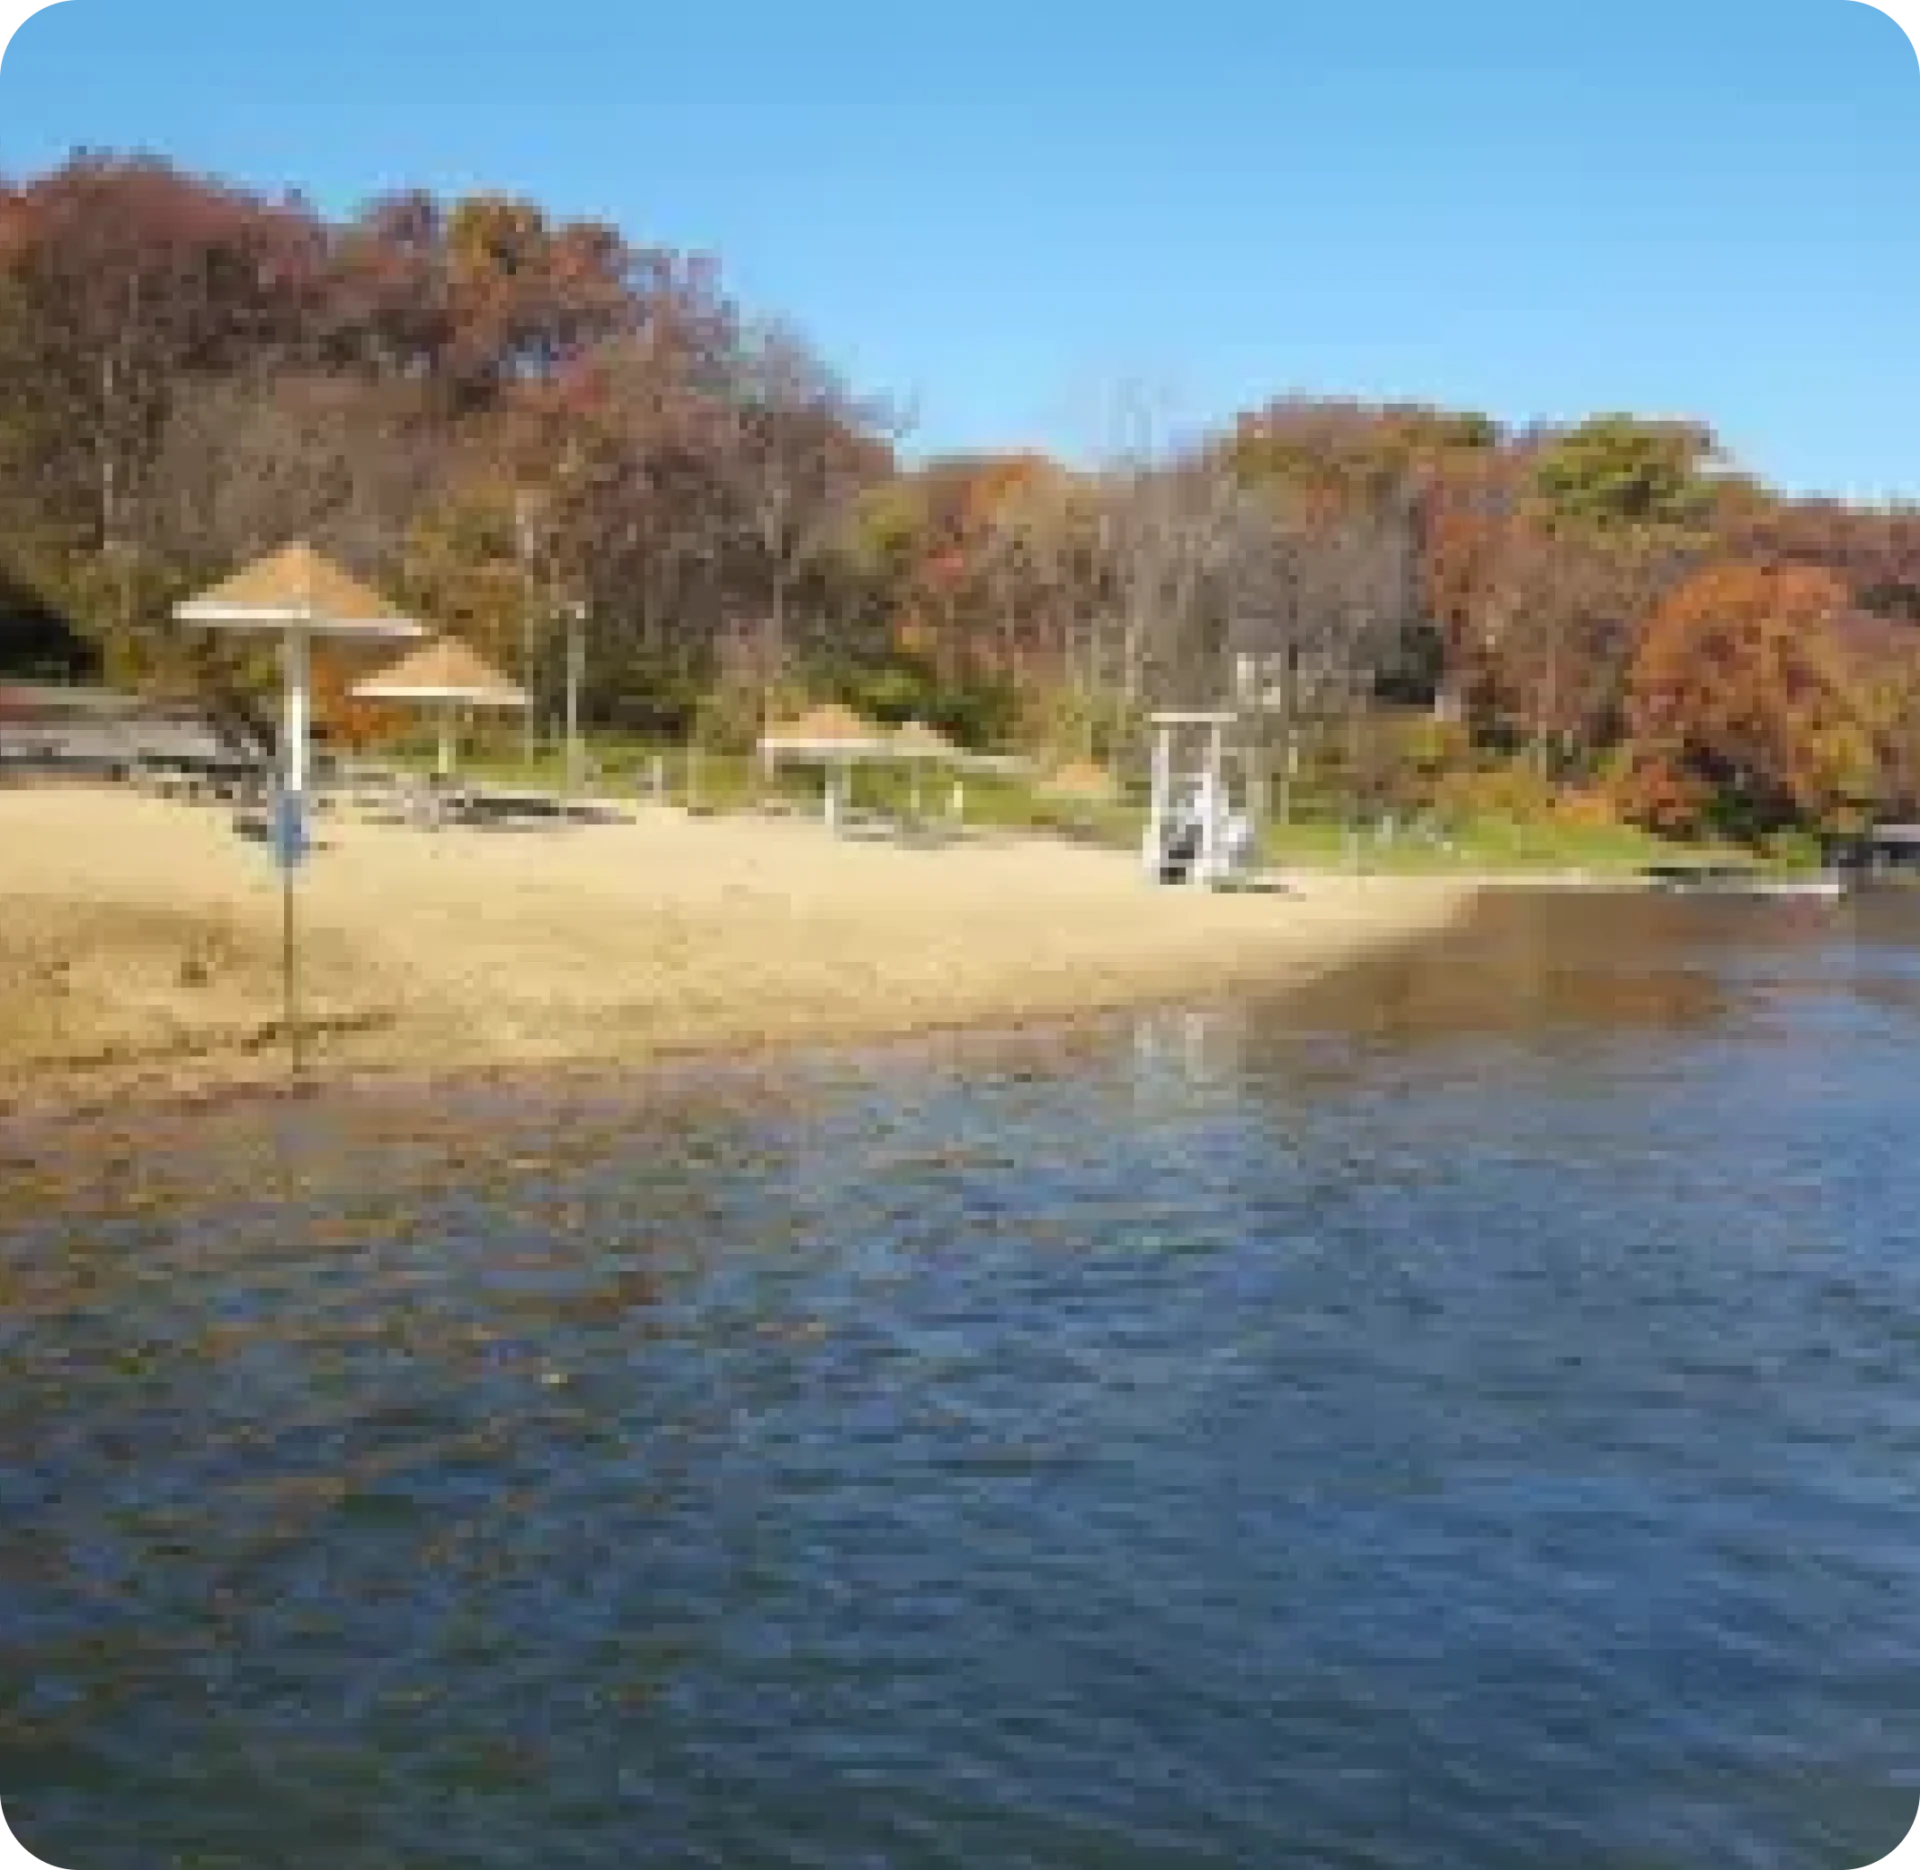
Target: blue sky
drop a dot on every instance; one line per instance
(1012, 212)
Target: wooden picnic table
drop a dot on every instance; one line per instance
(194, 780)
(505, 802)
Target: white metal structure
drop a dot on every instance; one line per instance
(1194, 833)
(300, 595)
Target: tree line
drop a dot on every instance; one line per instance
(503, 417)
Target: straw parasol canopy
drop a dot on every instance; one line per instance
(1082, 782)
(834, 737)
(444, 675)
(298, 586)
(300, 595)
(917, 741)
(832, 732)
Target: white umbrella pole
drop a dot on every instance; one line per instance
(294, 755)
(446, 739)
(294, 772)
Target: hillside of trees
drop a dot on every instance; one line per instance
(496, 415)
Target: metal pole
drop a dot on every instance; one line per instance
(523, 548)
(294, 756)
(576, 661)
(1159, 800)
(1353, 766)
(1214, 790)
(1289, 731)
(289, 975)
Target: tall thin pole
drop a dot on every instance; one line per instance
(523, 546)
(288, 838)
(290, 974)
(291, 833)
(1289, 729)
(576, 663)
(294, 759)
(1159, 801)
(1353, 764)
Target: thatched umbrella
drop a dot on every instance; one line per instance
(301, 595)
(833, 738)
(1081, 783)
(446, 676)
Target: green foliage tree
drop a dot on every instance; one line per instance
(1618, 472)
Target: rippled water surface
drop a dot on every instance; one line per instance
(1468, 1417)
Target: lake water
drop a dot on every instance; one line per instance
(1469, 1416)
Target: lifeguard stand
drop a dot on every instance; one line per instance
(1193, 832)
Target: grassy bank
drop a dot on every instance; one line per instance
(1318, 839)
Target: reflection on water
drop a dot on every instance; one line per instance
(1463, 1417)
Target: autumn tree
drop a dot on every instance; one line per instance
(796, 452)
(1741, 713)
(1352, 454)
(503, 415)
(1555, 630)
(253, 459)
(120, 282)
(1617, 472)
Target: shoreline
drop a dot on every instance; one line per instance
(139, 951)
(214, 1081)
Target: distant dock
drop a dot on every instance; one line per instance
(1739, 880)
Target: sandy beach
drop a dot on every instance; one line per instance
(140, 942)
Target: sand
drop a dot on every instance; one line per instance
(140, 942)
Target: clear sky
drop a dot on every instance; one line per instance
(1009, 212)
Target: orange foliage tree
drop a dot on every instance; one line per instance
(1741, 714)
(348, 723)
